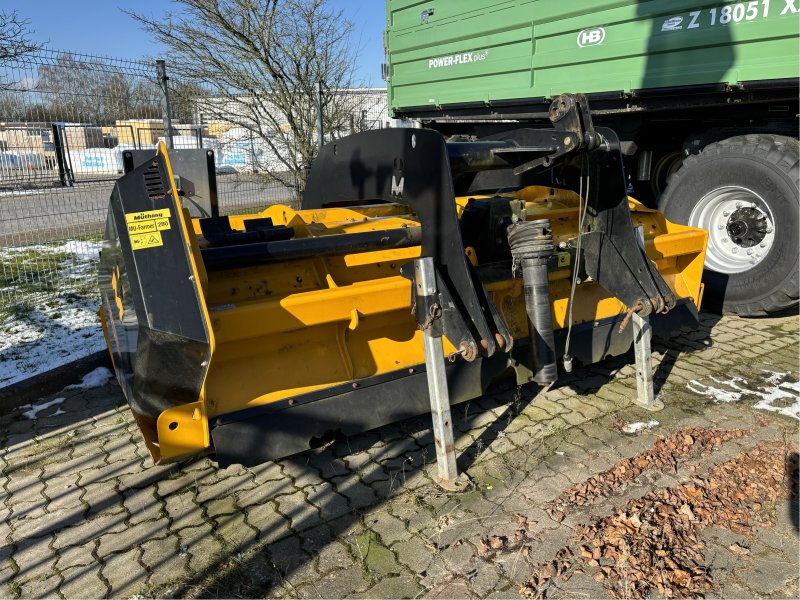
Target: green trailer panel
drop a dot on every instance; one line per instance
(460, 51)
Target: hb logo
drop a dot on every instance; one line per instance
(591, 37)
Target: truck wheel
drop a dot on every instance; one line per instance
(744, 191)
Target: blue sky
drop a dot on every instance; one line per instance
(100, 27)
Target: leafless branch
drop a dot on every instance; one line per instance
(15, 39)
(259, 63)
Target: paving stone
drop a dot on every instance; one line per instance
(26, 489)
(333, 506)
(124, 574)
(343, 583)
(43, 525)
(484, 580)
(183, 511)
(206, 552)
(300, 472)
(765, 575)
(63, 492)
(267, 521)
(262, 494)
(99, 493)
(235, 531)
(142, 505)
(208, 491)
(75, 530)
(164, 560)
(34, 559)
(265, 472)
(76, 556)
(332, 556)
(403, 586)
(357, 494)
(6, 577)
(414, 553)
(390, 529)
(302, 511)
(312, 540)
(40, 587)
(130, 537)
(287, 554)
(453, 589)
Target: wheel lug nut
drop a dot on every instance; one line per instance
(769, 229)
(720, 227)
(749, 252)
(725, 213)
(736, 251)
(738, 205)
(762, 245)
(725, 240)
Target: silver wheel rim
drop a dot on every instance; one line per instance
(740, 225)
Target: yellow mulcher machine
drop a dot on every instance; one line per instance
(257, 336)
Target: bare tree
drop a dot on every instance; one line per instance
(80, 90)
(15, 39)
(260, 62)
(15, 43)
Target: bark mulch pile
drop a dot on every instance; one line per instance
(653, 542)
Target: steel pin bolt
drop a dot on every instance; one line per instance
(738, 205)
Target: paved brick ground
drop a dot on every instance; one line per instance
(86, 514)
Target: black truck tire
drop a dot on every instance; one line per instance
(744, 191)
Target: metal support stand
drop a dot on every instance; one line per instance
(642, 336)
(429, 316)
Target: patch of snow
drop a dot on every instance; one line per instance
(48, 338)
(59, 412)
(718, 394)
(639, 426)
(97, 378)
(37, 408)
(58, 329)
(772, 397)
(781, 390)
(775, 378)
(83, 250)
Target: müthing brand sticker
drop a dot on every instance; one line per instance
(673, 24)
(145, 228)
(594, 36)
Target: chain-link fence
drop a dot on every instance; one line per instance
(65, 121)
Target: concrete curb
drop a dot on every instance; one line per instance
(50, 382)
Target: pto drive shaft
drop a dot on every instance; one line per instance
(531, 246)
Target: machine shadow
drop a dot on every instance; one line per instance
(77, 406)
(342, 471)
(691, 340)
(350, 478)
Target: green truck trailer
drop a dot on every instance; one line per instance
(703, 95)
